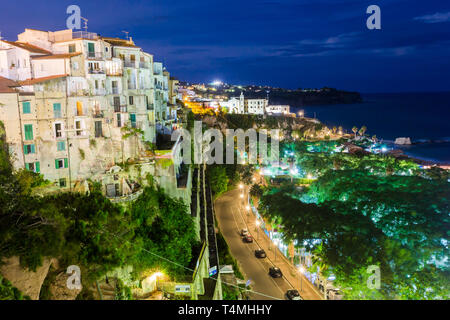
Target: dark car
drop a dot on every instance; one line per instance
(293, 295)
(247, 239)
(275, 272)
(260, 253)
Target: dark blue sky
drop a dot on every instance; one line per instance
(287, 43)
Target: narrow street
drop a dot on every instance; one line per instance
(232, 217)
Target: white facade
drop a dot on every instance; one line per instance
(75, 93)
(246, 106)
(278, 109)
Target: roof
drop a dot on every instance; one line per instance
(7, 85)
(28, 47)
(57, 56)
(30, 82)
(120, 42)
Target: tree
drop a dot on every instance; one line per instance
(355, 130)
(218, 179)
(362, 131)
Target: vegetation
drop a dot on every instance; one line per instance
(88, 230)
(367, 210)
(8, 292)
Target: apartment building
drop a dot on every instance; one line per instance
(65, 98)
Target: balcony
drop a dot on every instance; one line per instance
(150, 106)
(143, 65)
(120, 108)
(157, 72)
(115, 90)
(98, 114)
(114, 73)
(131, 86)
(95, 55)
(129, 64)
(96, 71)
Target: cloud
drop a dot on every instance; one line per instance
(438, 17)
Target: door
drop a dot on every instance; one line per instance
(98, 129)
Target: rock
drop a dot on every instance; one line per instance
(28, 282)
(402, 141)
(59, 289)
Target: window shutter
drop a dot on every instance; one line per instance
(27, 166)
(25, 151)
(33, 149)
(37, 165)
(56, 164)
(65, 163)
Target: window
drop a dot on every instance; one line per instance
(62, 182)
(91, 49)
(61, 163)
(75, 65)
(35, 167)
(78, 129)
(58, 130)
(98, 129)
(131, 99)
(26, 107)
(133, 120)
(119, 120)
(28, 131)
(79, 108)
(61, 145)
(29, 148)
(57, 110)
(72, 48)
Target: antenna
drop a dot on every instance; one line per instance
(126, 32)
(85, 23)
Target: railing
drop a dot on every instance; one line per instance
(129, 64)
(95, 55)
(96, 71)
(150, 106)
(131, 86)
(98, 114)
(143, 65)
(99, 92)
(120, 108)
(115, 90)
(84, 35)
(117, 73)
(157, 72)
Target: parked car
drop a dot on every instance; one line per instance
(275, 272)
(260, 253)
(293, 295)
(244, 232)
(247, 239)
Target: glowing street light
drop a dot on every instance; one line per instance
(301, 113)
(241, 186)
(241, 195)
(302, 270)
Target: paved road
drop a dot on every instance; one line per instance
(231, 217)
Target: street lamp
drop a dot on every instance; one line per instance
(301, 269)
(257, 223)
(241, 186)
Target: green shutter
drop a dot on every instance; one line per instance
(61, 145)
(25, 151)
(27, 166)
(65, 163)
(56, 164)
(57, 110)
(28, 132)
(37, 166)
(33, 149)
(26, 107)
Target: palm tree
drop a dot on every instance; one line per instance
(362, 130)
(355, 130)
(374, 139)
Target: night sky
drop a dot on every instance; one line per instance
(285, 43)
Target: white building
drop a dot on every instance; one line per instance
(65, 98)
(246, 106)
(278, 109)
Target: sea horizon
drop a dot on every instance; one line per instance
(421, 116)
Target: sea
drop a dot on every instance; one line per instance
(423, 117)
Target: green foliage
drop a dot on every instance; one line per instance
(225, 256)
(217, 176)
(8, 292)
